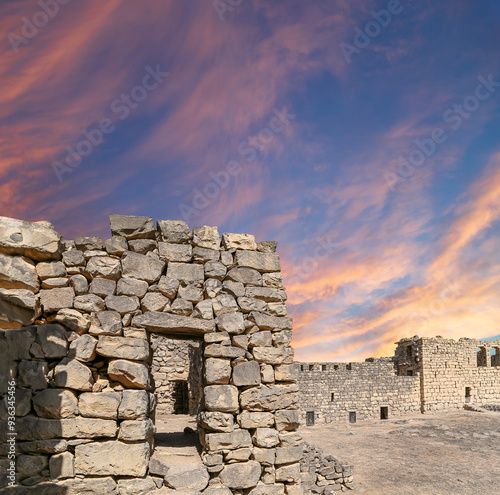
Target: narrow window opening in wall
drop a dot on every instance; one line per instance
(335, 366)
(323, 367)
(332, 397)
(181, 397)
(384, 412)
(495, 356)
(409, 372)
(481, 356)
(409, 351)
(301, 367)
(348, 367)
(311, 367)
(467, 394)
(310, 418)
(352, 416)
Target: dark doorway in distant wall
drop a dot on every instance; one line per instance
(310, 418)
(352, 417)
(467, 394)
(181, 398)
(384, 412)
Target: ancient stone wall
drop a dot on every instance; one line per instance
(425, 375)
(81, 324)
(334, 391)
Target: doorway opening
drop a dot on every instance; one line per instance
(352, 417)
(384, 412)
(467, 394)
(310, 418)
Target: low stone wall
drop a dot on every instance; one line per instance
(80, 332)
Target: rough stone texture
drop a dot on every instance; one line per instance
(132, 227)
(56, 299)
(262, 262)
(221, 398)
(186, 273)
(241, 475)
(142, 267)
(134, 404)
(130, 374)
(70, 373)
(18, 272)
(62, 465)
(37, 242)
(175, 231)
(18, 307)
(99, 405)
(55, 403)
(188, 476)
(206, 237)
(246, 374)
(123, 348)
(136, 487)
(239, 241)
(165, 322)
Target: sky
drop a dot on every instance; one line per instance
(361, 135)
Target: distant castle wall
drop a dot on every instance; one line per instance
(424, 375)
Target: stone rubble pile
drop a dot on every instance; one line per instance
(78, 319)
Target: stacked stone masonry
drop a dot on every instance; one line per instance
(425, 375)
(94, 335)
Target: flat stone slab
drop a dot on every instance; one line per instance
(156, 321)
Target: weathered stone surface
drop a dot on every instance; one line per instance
(252, 420)
(123, 347)
(187, 476)
(217, 490)
(18, 307)
(86, 428)
(267, 294)
(134, 404)
(241, 475)
(168, 286)
(116, 246)
(79, 284)
(18, 272)
(263, 489)
(287, 372)
(231, 323)
(265, 437)
(50, 269)
(239, 241)
(204, 310)
(154, 301)
(108, 323)
(273, 280)
(179, 253)
(213, 287)
(261, 339)
(238, 455)
(144, 486)
(43, 447)
(188, 273)
(289, 473)
(103, 287)
(73, 319)
(55, 403)
(52, 340)
(55, 283)
(267, 373)
(132, 227)
(237, 439)
(22, 406)
(89, 486)
(223, 351)
(89, 303)
(262, 262)
(142, 267)
(99, 405)
(122, 304)
(224, 304)
(290, 438)
(62, 465)
(135, 430)
(112, 458)
(215, 269)
(73, 258)
(203, 255)
(287, 419)
(277, 308)
(157, 467)
(131, 287)
(88, 243)
(236, 289)
(33, 374)
(37, 242)
(30, 465)
(217, 371)
(282, 338)
(266, 322)
(206, 237)
(142, 246)
(165, 322)
(247, 276)
(174, 231)
(249, 304)
(181, 307)
(273, 355)
(221, 398)
(240, 341)
(269, 398)
(130, 374)
(56, 299)
(216, 421)
(288, 455)
(191, 292)
(70, 373)
(246, 374)
(104, 267)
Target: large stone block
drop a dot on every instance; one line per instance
(131, 287)
(267, 294)
(89, 486)
(187, 476)
(188, 273)
(246, 374)
(287, 419)
(174, 231)
(18, 272)
(178, 253)
(52, 340)
(135, 430)
(266, 322)
(164, 322)
(33, 374)
(71, 373)
(142, 267)
(221, 398)
(55, 403)
(223, 351)
(129, 373)
(206, 237)
(247, 276)
(231, 323)
(132, 227)
(18, 308)
(99, 405)
(83, 348)
(269, 398)
(265, 437)
(239, 241)
(86, 428)
(22, 405)
(51, 269)
(287, 372)
(55, 299)
(37, 242)
(144, 486)
(262, 262)
(289, 473)
(123, 347)
(238, 439)
(134, 404)
(217, 371)
(216, 421)
(288, 455)
(122, 304)
(73, 319)
(263, 489)
(241, 475)
(250, 420)
(62, 465)
(112, 458)
(273, 355)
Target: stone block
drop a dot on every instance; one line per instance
(222, 398)
(71, 373)
(206, 237)
(217, 371)
(187, 476)
(89, 303)
(250, 420)
(247, 276)
(164, 322)
(265, 437)
(246, 374)
(216, 421)
(239, 241)
(132, 227)
(178, 253)
(99, 405)
(241, 475)
(237, 439)
(55, 403)
(18, 272)
(184, 272)
(135, 430)
(62, 465)
(129, 373)
(123, 348)
(273, 355)
(174, 231)
(55, 299)
(142, 267)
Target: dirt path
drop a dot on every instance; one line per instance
(441, 454)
